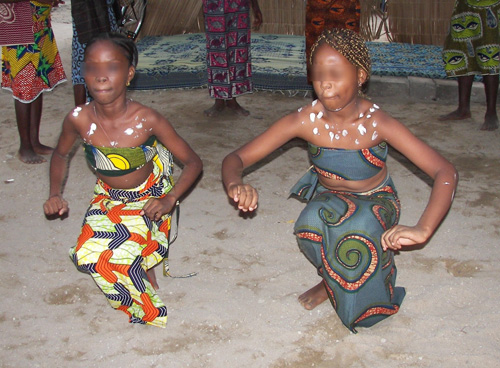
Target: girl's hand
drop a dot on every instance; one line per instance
(55, 205)
(244, 195)
(401, 236)
(155, 208)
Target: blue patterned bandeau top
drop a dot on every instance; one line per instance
(347, 164)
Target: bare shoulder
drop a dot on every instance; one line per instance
(145, 115)
(80, 118)
(387, 125)
(400, 137)
(305, 117)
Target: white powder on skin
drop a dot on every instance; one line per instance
(361, 129)
(76, 111)
(93, 127)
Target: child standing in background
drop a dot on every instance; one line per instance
(28, 70)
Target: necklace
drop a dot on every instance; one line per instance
(112, 143)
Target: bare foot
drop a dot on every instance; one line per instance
(236, 107)
(490, 123)
(42, 149)
(30, 157)
(455, 115)
(152, 278)
(313, 297)
(216, 109)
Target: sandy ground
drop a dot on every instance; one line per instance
(241, 309)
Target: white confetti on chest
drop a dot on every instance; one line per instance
(361, 129)
(93, 127)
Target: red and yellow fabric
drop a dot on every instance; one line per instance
(117, 246)
(29, 70)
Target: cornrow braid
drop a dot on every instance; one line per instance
(349, 44)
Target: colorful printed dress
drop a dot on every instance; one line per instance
(29, 70)
(472, 46)
(326, 14)
(227, 27)
(117, 246)
(340, 233)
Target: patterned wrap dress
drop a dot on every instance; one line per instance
(326, 14)
(340, 233)
(472, 46)
(117, 246)
(29, 70)
(227, 27)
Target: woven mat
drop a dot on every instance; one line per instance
(278, 62)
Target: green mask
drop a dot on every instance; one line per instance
(488, 56)
(482, 3)
(454, 61)
(466, 26)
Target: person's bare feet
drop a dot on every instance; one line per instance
(455, 115)
(30, 157)
(236, 107)
(42, 149)
(216, 109)
(490, 123)
(313, 297)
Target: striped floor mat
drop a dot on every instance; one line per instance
(278, 62)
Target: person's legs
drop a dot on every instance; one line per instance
(28, 131)
(464, 92)
(35, 120)
(216, 108)
(236, 107)
(491, 91)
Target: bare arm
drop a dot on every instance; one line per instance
(56, 205)
(439, 169)
(190, 172)
(234, 163)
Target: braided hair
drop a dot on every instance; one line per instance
(126, 45)
(349, 44)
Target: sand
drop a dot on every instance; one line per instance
(241, 309)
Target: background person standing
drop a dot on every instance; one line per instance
(227, 27)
